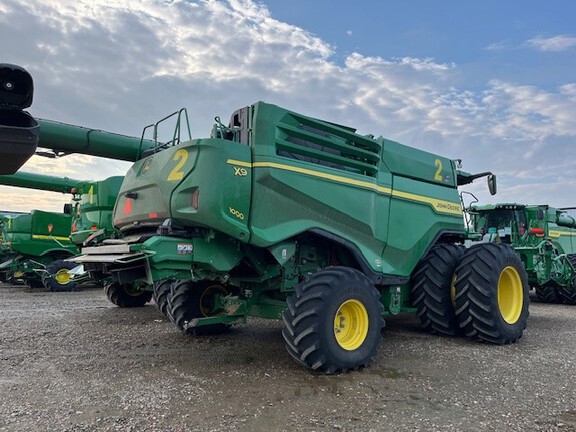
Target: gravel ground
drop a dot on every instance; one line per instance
(75, 362)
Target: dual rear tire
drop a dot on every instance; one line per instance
(481, 292)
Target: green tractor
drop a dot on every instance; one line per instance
(90, 217)
(283, 216)
(545, 239)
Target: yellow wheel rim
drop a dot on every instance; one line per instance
(510, 295)
(207, 299)
(351, 324)
(453, 290)
(62, 276)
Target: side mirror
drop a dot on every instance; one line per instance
(492, 186)
(540, 214)
(68, 208)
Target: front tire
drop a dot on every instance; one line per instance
(125, 296)
(58, 276)
(333, 321)
(431, 289)
(492, 294)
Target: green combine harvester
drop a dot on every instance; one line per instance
(90, 216)
(545, 239)
(32, 242)
(284, 216)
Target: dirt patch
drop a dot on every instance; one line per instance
(75, 362)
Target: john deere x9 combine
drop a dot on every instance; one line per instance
(284, 216)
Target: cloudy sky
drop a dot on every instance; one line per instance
(492, 83)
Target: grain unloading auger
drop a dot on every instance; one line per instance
(87, 216)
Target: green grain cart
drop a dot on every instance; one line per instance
(545, 239)
(283, 216)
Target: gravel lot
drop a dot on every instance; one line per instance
(75, 362)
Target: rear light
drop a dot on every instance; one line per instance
(538, 232)
(94, 227)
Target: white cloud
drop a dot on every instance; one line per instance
(119, 65)
(554, 43)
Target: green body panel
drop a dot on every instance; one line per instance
(95, 208)
(543, 236)
(40, 233)
(164, 186)
(263, 193)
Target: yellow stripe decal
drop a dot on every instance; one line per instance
(47, 237)
(438, 205)
(561, 233)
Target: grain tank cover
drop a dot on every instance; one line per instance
(19, 131)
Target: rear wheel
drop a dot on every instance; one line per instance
(189, 300)
(431, 289)
(333, 321)
(126, 295)
(58, 276)
(548, 294)
(160, 294)
(492, 293)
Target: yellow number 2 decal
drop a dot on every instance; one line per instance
(438, 173)
(177, 174)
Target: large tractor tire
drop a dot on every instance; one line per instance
(33, 283)
(160, 294)
(492, 293)
(431, 289)
(189, 300)
(548, 293)
(58, 276)
(568, 293)
(125, 296)
(333, 321)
